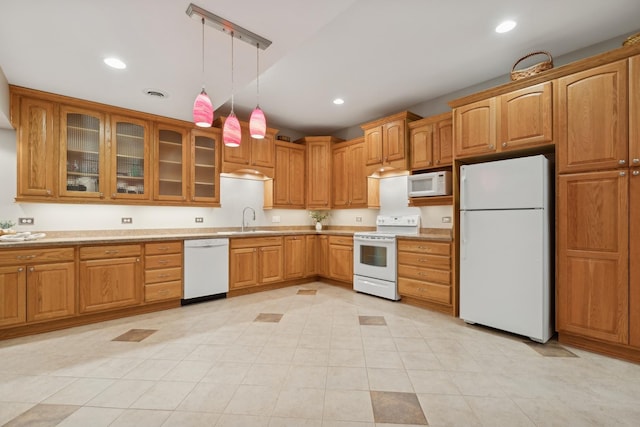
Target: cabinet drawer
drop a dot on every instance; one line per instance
(36, 255)
(255, 242)
(424, 247)
(162, 275)
(162, 261)
(163, 248)
(162, 291)
(341, 240)
(424, 260)
(421, 273)
(116, 251)
(425, 290)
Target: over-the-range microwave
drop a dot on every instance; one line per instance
(429, 184)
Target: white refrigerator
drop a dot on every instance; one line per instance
(505, 277)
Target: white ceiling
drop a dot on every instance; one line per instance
(381, 56)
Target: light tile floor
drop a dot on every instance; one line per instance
(334, 359)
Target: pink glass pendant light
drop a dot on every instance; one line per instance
(231, 135)
(202, 107)
(257, 122)
(203, 110)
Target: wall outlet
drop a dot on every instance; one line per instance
(358, 219)
(446, 219)
(275, 218)
(199, 219)
(26, 221)
(127, 220)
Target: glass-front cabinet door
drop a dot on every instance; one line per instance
(129, 147)
(171, 173)
(205, 176)
(82, 160)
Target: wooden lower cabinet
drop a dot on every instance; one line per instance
(36, 285)
(424, 272)
(13, 295)
(592, 289)
(341, 258)
(163, 271)
(295, 257)
(312, 256)
(322, 260)
(110, 277)
(255, 261)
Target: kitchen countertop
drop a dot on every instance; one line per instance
(57, 238)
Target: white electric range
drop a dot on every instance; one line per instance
(374, 255)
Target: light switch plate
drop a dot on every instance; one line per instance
(275, 218)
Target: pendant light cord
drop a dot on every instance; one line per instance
(202, 53)
(232, 71)
(258, 74)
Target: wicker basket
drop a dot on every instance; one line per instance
(532, 70)
(631, 40)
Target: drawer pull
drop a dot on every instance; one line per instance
(163, 292)
(164, 248)
(26, 256)
(422, 260)
(163, 262)
(111, 252)
(163, 276)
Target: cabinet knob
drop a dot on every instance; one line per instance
(437, 162)
(113, 195)
(32, 269)
(20, 270)
(623, 174)
(635, 173)
(504, 145)
(622, 162)
(137, 259)
(491, 146)
(48, 192)
(101, 194)
(636, 161)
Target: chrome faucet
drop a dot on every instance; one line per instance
(243, 211)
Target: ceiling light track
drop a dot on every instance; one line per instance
(229, 27)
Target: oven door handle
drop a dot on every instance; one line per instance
(373, 241)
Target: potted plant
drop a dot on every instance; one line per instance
(6, 227)
(318, 217)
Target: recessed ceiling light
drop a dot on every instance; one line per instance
(506, 26)
(115, 63)
(338, 101)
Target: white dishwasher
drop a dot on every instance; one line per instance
(206, 270)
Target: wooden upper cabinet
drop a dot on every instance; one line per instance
(205, 165)
(592, 119)
(129, 157)
(373, 142)
(386, 142)
(340, 191)
(526, 117)
(319, 179)
(288, 185)
(421, 138)
(358, 180)
(431, 142)
(634, 110)
(252, 154)
(82, 153)
(475, 128)
(443, 141)
(592, 248)
(37, 142)
(171, 163)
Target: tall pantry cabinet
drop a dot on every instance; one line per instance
(598, 163)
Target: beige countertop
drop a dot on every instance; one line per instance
(57, 238)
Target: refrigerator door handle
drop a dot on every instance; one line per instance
(463, 232)
(463, 183)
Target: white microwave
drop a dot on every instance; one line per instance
(429, 184)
